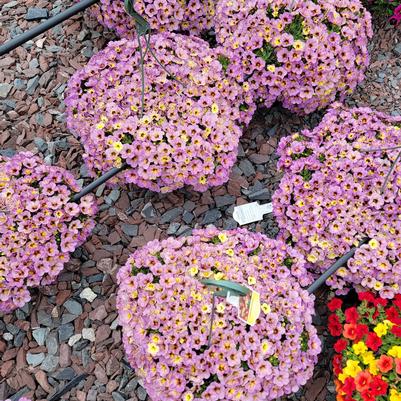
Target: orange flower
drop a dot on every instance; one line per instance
(385, 363)
(362, 381)
(350, 331)
(398, 365)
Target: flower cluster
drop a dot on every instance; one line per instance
(189, 132)
(367, 363)
(302, 53)
(194, 16)
(21, 399)
(39, 225)
(340, 187)
(165, 313)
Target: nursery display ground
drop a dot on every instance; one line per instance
(70, 328)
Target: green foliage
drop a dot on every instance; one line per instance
(295, 28)
(268, 54)
(136, 270)
(382, 7)
(306, 174)
(243, 107)
(256, 251)
(288, 262)
(307, 152)
(224, 61)
(304, 341)
(274, 360)
(204, 386)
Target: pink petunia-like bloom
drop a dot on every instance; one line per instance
(165, 312)
(36, 231)
(190, 128)
(303, 53)
(193, 16)
(341, 185)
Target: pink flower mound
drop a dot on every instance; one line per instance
(331, 197)
(165, 312)
(193, 16)
(39, 225)
(21, 399)
(188, 134)
(303, 53)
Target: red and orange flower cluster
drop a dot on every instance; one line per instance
(367, 363)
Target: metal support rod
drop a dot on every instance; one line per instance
(99, 181)
(333, 268)
(44, 26)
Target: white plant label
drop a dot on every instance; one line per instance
(251, 212)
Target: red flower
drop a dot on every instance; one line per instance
(396, 330)
(340, 345)
(349, 386)
(385, 363)
(361, 330)
(337, 362)
(335, 326)
(362, 381)
(351, 315)
(398, 365)
(373, 341)
(380, 301)
(350, 331)
(366, 296)
(397, 301)
(334, 304)
(393, 315)
(378, 386)
(368, 396)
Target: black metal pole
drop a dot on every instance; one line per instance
(99, 181)
(333, 268)
(43, 27)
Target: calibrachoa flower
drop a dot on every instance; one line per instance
(39, 225)
(367, 365)
(332, 195)
(21, 399)
(189, 132)
(194, 16)
(165, 313)
(303, 53)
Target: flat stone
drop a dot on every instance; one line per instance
(211, 216)
(40, 335)
(117, 396)
(44, 318)
(262, 194)
(173, 228)
(224, 200)
(50, 363)
(74, 339)
(187, 217)
(35, 13)
(189, 205)
(66, 374)
(148, 211)
(41, 378)
(88, 294)
(65, 331)
(32, 85)
(74, 307)
(5, 90)
(247, 167)
(88, 334)
(170, 215)
(35, 359)
(67, 318)
(397, 49)
(52, 343)
(99, 313)
(141, 393)
(130, 229)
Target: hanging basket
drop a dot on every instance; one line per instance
(165, 310)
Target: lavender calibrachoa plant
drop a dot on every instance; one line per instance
(165, 313)
(303, 53)
(341, 184)
(20, 399)
(193, 16)
(39, 225)
(189, 131)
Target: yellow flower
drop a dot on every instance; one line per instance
(266, 308)
(153, 349)
(271, 67)
(395, 351)
(222, 237)
(388, 323)
(118, 146)
(395, 395)
(188, 396)
(374, 244)
(230, 252)
(202, 179)
(298, 45)
(100, 125)
(359, 348)
(312, 258)
(373, 367)
(251, 280)
(380, 329)
(220, 307)
(367, 357)
(215, 108)
(264, 346)
(342, 377)
(352, 368)
(193, 271)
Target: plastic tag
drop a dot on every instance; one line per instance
(251, 212)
